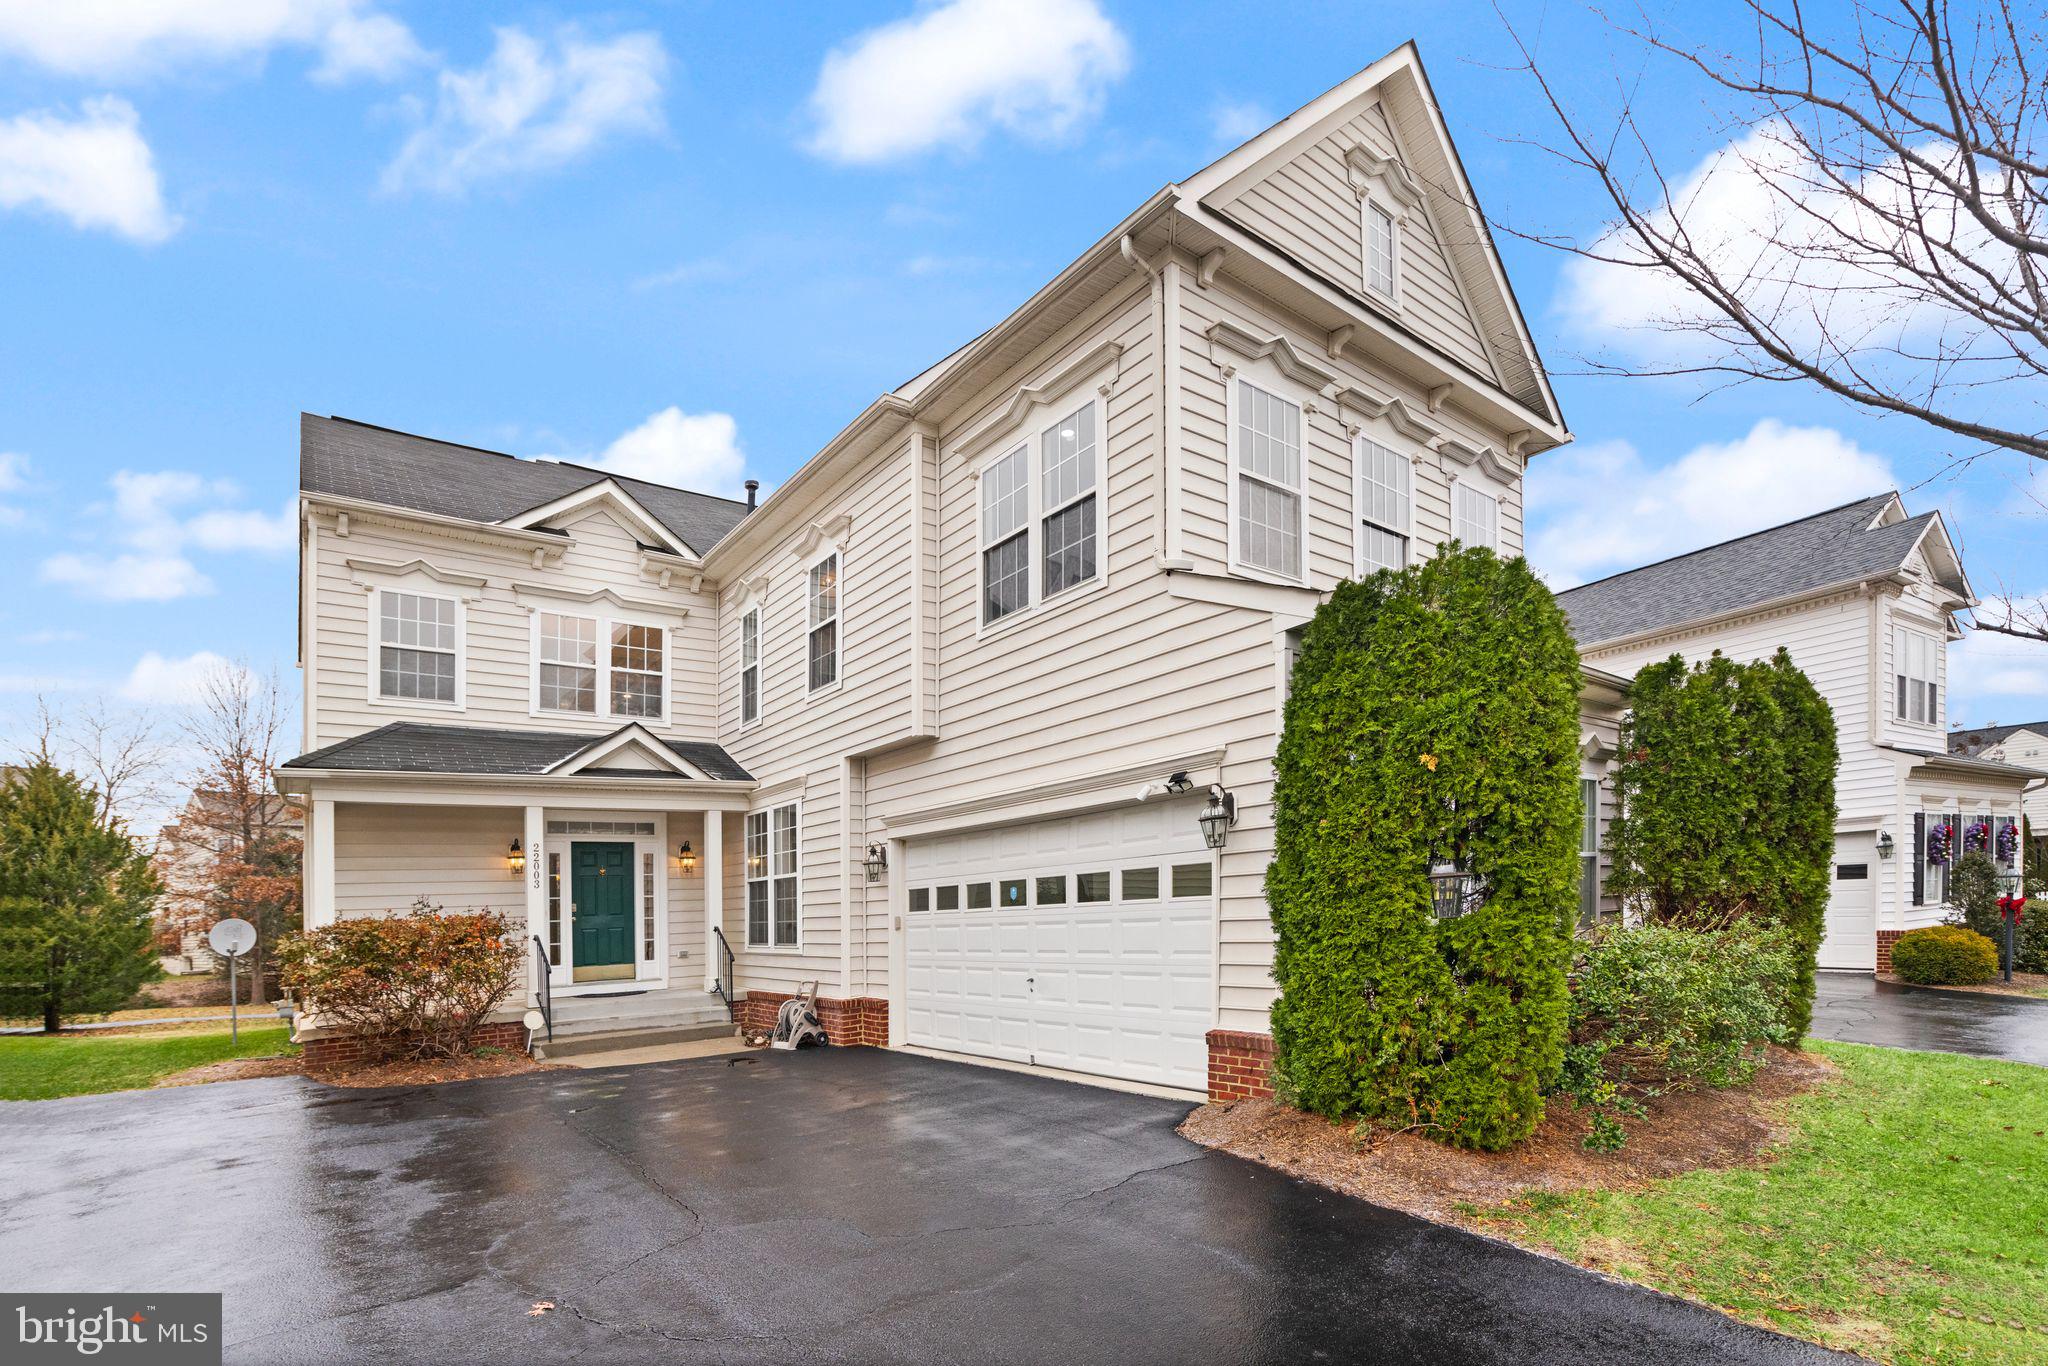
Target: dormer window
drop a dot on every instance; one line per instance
(418, 639)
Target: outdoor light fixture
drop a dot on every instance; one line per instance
(1217, 817)
(686, 859)
(1884, 844)
(516, 857)
(877, 861)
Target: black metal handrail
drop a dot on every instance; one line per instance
(723, 984)
(543, 990)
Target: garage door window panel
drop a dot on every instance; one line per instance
(1140, 884)
(1192, 879)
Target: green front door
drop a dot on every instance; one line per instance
(601, 893)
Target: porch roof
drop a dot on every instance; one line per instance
(1963, 763)
(415, 747)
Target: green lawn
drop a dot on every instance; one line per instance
(35, 1068)
(1906, 1216)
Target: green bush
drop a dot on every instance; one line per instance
(1974, 890)
(1726, 797)
(1433, 718)
(426, 981)
(1944, 956)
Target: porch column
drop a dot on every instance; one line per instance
(714, 892)
(320, 865)
(533, 840)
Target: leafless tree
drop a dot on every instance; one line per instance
(120, 752)
(1877, 226)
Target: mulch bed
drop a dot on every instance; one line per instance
(399, 1072)
(1735, 1127)
(2034, 984)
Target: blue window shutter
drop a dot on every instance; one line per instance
(1919, 858)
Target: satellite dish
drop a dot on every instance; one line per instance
(232, 937)
(533, 1020)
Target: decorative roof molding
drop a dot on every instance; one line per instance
(1594, 748)
(545, 545)
(1405, 419)
(604, 490)
(1496, 465)
(1362, 167)
(367, 574)
(549, 594)
(1228, 336)
(662, 568)
(1029, 396)
(632, 733)
(833, 531)
(745, 593)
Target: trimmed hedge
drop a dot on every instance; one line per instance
(1945, 956)
(1726, 796)
(1434, 714)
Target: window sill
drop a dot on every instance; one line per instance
(1278, 580)
(416, 704)
(774, 948)
(1045, 607)
(812, 694)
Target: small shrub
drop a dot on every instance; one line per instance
(1944, 956)
(426, 980)
(1662, 1008)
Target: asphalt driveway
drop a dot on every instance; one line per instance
(842, 1205)
(1855, 1007)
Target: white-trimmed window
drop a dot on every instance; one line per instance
(772, 877)
(1056, 503)
(1384, 507)
(1267, 475)
(418, 647)
(750, 667)
(1589, 851)
(1475, 516)
(572, 672)
(1916, 677)
(823, 649)
(1382, 248)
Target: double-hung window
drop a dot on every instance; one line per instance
(1381, 239)
(1056, 502)
(1383, 507)
(1475, 516)
(824, 634)
(572, 671)
(1268, 491)
(1916, 674)
(772, 878)
(1589, 850)
(416, 647)
(750, 667)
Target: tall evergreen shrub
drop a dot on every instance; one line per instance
(1726, 789)
(1434, 716)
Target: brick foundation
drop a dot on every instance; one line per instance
(353, 1050)
(1240, 1065)
(1885, 940)
(850, 1022)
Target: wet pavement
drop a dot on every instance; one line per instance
(853, 1205)
(1857, 1008)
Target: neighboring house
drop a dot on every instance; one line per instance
(1864, 597)
(934, 726)
(187, 855)
(2025, 744)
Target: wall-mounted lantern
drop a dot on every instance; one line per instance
(877, 861)
(515, 858)
(1884, 844)
(686, 859)
(1217, 817)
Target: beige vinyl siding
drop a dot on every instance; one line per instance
(1308, 209)
(387, 857)
(686, 966)
(497, 628)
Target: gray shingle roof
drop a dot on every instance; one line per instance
(356, 460)
(1988, 767)
(412, 747)
(1836, 546)
(1977, 739)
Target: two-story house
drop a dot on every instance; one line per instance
(1864, 598)
(972, 721)
(2025, 745)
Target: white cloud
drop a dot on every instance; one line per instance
(944, 76)
(126, 578)
(1994, 678)
(108, 39)
(50, 637)
(156, 680)
(1236, 121)
(699, 451)
(155, 519)
(1599, 508)
(13, 479)
(533, 106)
(95, 170)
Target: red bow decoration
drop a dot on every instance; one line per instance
(2012, 906)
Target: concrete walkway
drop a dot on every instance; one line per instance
(1857, 1008)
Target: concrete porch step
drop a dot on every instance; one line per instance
(616, 1040)
(615, 1012)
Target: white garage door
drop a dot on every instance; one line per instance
(1085, 943)
(1850, 940)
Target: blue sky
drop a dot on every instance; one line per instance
(695, 239)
